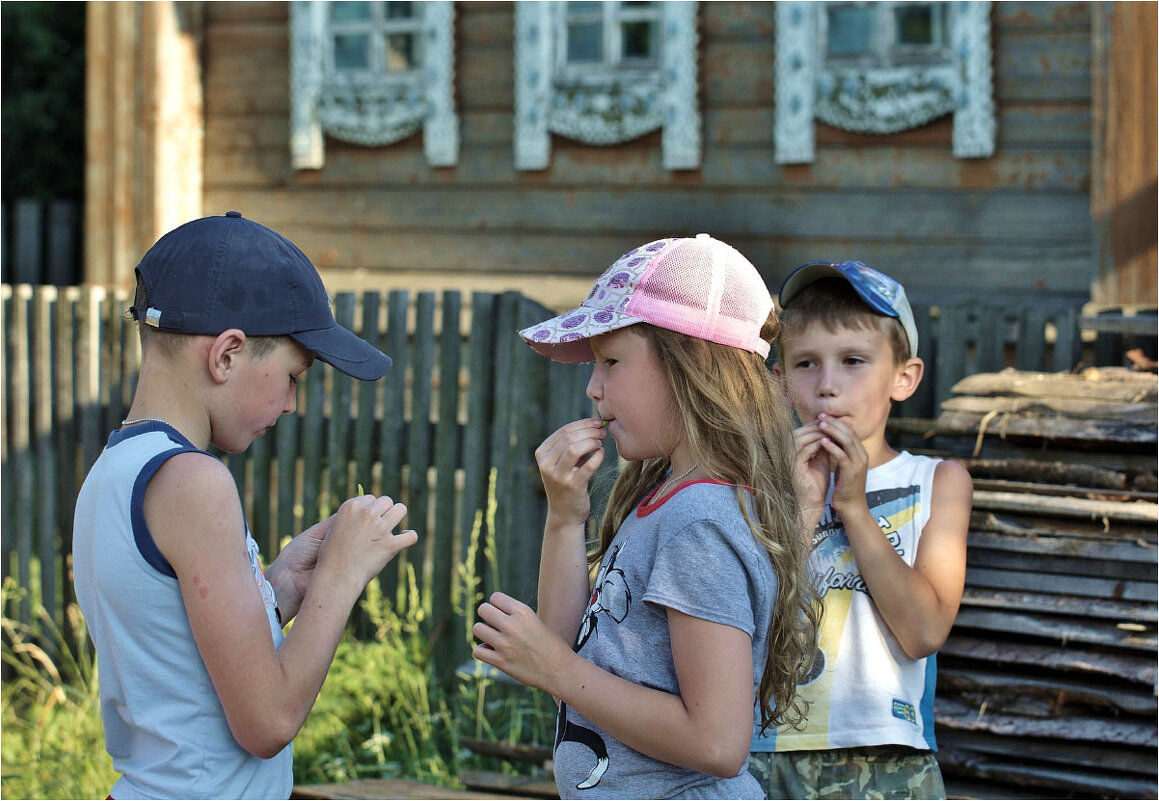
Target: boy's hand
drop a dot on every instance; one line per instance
(361, 538)
(295, 567)
(813, 466)
(567, 461)
(849, 459)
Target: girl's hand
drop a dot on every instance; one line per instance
(850, 462)
(517, 642)
(567, 461)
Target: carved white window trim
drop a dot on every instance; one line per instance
(371, 111)
(606, 107)
(906, 96)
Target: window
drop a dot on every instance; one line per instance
(857, 34)
(604, 73)
(609, 36)
(883, 67)
(372, 73)
(373, 40)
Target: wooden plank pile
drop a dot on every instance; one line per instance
(1047, 684)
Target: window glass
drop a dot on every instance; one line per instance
(400, 52)
(638, 41)
(352, 51)
(399, 10)
(585, 42)
(350, 12)
(850, 31)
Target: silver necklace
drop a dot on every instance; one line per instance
(673, 482)
(136, 420)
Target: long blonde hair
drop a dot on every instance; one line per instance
(740, 431)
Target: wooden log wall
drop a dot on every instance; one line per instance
(1046, 686)
(1017, 224)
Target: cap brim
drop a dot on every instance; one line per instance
(346, 351)
(812, 272)
(567, 337)
(803, 276)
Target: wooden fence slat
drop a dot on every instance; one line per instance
(368, 392)
(7, 470)
(951, 364)
(1068, 342)
(65, 423)
(28, 249)
(88, 373)
(989, 339)
(418, 452)
(287, 448)
(339, 485)
(46, 519)
(447, 450)
(476, 447)
(502, 433)
(63, 239)
(392, 427)
(1032, 339)
(313, 431)
(529, 423)
(259, 492)
(22, 458)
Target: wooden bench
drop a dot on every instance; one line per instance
(404, 789)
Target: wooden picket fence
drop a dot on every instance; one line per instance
(456, 419)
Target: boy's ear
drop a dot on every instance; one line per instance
(908, 378)
(221, 356)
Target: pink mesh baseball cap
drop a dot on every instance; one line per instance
(697, 286)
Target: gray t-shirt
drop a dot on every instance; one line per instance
(694, 553)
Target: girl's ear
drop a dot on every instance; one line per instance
(908, 378)
(221, 356)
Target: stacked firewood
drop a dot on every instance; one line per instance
(1047, 684)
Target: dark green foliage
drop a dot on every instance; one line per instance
(42, 63)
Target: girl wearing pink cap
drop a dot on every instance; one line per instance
(700, 600)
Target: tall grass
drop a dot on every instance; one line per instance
(53, 744)
(380, 714)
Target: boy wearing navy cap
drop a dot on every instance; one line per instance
(889, 545)
(201, 693)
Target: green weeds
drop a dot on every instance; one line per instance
(380, 714)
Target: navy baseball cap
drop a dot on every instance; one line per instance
(217, 273)
(883, 294)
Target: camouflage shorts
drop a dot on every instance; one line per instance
(883, 771)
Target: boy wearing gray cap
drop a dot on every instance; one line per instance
(201, 693)
(889, 545)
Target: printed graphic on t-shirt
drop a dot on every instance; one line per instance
(832, 555)
(611, 599)
(839, 579)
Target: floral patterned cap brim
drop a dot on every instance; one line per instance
(565, 338)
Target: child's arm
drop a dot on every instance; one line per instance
(707, 727)
(918, 603)
(567, 461)
(194, 513)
